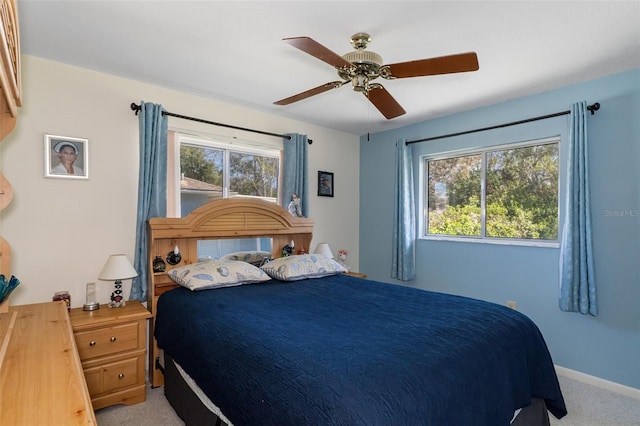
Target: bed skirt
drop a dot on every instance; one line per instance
(184, 400)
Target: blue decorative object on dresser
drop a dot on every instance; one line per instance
(7, 287)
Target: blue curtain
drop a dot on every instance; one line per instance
(295, 176)
(404, 222)
(152, 187)
(577, 278)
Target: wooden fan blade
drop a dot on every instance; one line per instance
(313, 48)
(383, 100)
(311, 92)
(462, 62)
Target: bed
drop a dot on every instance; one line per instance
(332, 348)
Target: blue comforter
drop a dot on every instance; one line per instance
(345, 351)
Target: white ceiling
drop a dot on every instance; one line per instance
(232, 51)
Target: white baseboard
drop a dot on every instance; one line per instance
(598, 382)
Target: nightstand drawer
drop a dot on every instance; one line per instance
(110, 377)
(108, 340)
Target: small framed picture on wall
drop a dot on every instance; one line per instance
(325, 184)
(66, 157)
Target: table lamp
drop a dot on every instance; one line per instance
(118, 268)
(324, 249)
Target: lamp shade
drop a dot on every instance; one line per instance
(324, 249)
(118, 267)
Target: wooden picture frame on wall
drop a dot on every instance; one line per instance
(325, 184)
(66, 157)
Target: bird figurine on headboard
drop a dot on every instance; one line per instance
(295, 206)
(288, 249)
(342, 259)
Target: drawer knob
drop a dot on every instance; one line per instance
(113, 339)
(121, 376)
(92, 343)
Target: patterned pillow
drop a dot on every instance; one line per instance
(299, 267)
(216, 274)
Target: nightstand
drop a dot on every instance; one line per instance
(112, 347)
(356, 274)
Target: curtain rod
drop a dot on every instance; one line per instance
(137, 108)
(593, 108)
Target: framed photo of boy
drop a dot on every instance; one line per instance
(325, 184)
(66, 157)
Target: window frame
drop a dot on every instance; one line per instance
(483, 239)
(174, 172)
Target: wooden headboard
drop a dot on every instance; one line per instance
(228, 218)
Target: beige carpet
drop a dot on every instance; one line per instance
(155, 411)
(592, 406)
(587, 406)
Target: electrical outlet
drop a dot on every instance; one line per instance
(512, 304)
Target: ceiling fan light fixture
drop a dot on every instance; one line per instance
(360, 82)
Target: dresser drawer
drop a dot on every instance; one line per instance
(114, 376)
(107, 340)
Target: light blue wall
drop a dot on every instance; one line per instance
(606, 346)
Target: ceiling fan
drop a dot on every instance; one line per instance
(361, 67)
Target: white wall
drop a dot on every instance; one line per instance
(62, 231)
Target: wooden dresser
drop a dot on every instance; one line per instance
(41, 378)
(112, 343)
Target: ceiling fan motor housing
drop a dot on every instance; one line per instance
(366, 64)
(366, 67)
(363, 57)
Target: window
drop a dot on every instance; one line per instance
(214, 170)
(506, 193)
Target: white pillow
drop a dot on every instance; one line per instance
(216, 274)
(299, 267)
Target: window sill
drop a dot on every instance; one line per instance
(495, 241)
